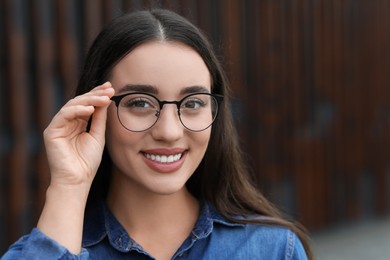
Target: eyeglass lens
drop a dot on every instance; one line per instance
(139, 112)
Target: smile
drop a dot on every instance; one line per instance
(163, 158)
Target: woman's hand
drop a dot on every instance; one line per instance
(74, 156)
(73, 153)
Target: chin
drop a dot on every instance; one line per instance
(168, 189)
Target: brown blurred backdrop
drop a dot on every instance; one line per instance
(310, 79)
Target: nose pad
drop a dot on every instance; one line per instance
(170, 114)
(168, 125)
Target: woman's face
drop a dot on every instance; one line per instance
(169, 71)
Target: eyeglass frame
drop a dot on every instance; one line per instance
(161, 103)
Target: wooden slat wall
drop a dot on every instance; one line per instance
(18, 116)
(310, 78)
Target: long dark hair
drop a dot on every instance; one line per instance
(222, 177)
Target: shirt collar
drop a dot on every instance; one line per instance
(100, 223)
(208, 217)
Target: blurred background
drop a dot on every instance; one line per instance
(310, 80)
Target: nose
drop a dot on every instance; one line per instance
(168, 127)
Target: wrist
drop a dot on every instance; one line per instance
(69, 192)
(63, 214)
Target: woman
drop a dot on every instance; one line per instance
(158, 134)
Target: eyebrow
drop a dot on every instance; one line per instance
(138, 88)
(194, 89)
(153, 90)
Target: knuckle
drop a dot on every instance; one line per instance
(62, 111)
(47, 133)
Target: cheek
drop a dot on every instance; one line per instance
(122, 145)
(202, 139)
(117, 135)
(115, 132)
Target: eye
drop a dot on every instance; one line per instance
(193, 103)
(138, 102)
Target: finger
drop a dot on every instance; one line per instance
(67, 114)
(89, 100)
(101, 90)
(107, 84)
(77, 112)
(98, 124)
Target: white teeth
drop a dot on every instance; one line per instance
(163, 158)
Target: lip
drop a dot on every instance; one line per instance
(165, 151)
(165, 167)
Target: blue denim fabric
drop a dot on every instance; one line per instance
(213, 237)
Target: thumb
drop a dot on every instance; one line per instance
(98, 123)
(99, 118)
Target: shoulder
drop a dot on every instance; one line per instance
(247, 238)
(254, 240)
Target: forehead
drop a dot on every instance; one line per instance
(162, 64)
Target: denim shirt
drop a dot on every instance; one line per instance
(213, 237)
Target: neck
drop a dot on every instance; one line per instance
(143, 212)
(159, 223)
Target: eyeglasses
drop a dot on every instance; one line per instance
(139, 111)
